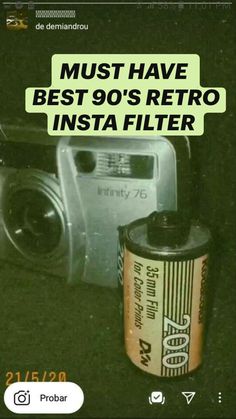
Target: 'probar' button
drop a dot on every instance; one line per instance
(44, 397)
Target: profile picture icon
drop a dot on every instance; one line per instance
(22, 398)
(16, 20)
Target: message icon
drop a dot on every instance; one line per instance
(156, 397)
(189, 395)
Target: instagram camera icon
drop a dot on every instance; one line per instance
(22, 398)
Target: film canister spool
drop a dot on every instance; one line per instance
(164, 287)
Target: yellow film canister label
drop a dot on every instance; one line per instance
(164, 302)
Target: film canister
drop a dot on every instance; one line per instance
(164, 289)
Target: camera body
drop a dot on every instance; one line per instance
(63, 199)
(107, 182)
(33, 226)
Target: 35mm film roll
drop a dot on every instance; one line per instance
(164, 284)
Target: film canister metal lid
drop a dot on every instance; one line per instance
(166, 235)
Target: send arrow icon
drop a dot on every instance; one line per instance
(189, 395)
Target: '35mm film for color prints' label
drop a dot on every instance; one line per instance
(164, 302)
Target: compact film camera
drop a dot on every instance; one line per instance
(110, 181)
(63, 199)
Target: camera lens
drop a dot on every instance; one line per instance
(32, 221)
(85, 161)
